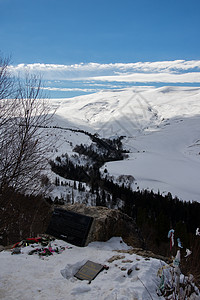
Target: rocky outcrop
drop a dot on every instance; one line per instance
(108, 223)
(145, 253)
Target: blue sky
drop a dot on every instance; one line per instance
(63, 32)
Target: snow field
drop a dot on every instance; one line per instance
(24, 277)
(161, 129)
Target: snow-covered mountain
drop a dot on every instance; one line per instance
(160, 128)
(161, 131)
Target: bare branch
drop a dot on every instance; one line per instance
(23, 143)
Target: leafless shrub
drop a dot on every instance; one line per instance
(24, 115)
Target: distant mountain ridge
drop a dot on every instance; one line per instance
(160, 128)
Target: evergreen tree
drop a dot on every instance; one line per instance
(103, 198)
(79, 186)
(75, 185)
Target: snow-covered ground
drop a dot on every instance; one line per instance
(161, 129)
(167, 160)
(25, 277)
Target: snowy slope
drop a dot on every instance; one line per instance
(161, 129)
(29, 277)
(162, 132)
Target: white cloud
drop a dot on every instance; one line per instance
(153, 77)
(70, 89)
(160, 71)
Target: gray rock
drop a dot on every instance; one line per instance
(108, 223)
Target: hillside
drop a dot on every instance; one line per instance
(52, 277)
(160, 128)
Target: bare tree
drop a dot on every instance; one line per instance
(23, 144)
(7, 90)
(6, 80)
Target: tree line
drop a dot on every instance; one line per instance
(153, 212)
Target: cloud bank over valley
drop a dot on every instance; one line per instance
(84, 78)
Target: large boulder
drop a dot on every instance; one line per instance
(108, 223)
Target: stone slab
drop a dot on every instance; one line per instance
(89, 271)
(70, 226)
